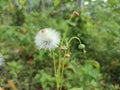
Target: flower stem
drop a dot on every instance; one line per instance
(64, 35)
(59, 70)
(54, 62)
(72, 39)
(62, 69)
(55, 70)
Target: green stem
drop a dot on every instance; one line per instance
(54, 62)
(62, 69)
(55, 69)
(64, 36)
(59, 73)
(59, 70)
(72, 39)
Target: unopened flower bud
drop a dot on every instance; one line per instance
(63, 48)
(67, 56)
(75, 14)
(81, 46)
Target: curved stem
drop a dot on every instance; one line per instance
(72, 39)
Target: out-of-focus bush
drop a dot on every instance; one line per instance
(99, 30)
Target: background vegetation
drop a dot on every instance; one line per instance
(98, 27)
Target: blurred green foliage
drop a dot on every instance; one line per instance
(98, 27)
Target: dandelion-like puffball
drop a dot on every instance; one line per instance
(47, 39)
(1, 60)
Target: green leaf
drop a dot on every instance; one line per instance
(56, 3)
(94, 63)
(73, 24)
(22, 2)
(112, 2)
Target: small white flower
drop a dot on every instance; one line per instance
(47, 39)
(1, 60)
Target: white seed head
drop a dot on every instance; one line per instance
(47, 39)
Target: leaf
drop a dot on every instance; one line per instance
(112, 2)
(12, 85)
(94, 63)
(73, 24)
(56, 3)
(22, 2)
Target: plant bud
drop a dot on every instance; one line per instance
(75, 14)
(63, 48)
(67, 56)
(81, 46)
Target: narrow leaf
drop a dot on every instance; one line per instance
(12, 85)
